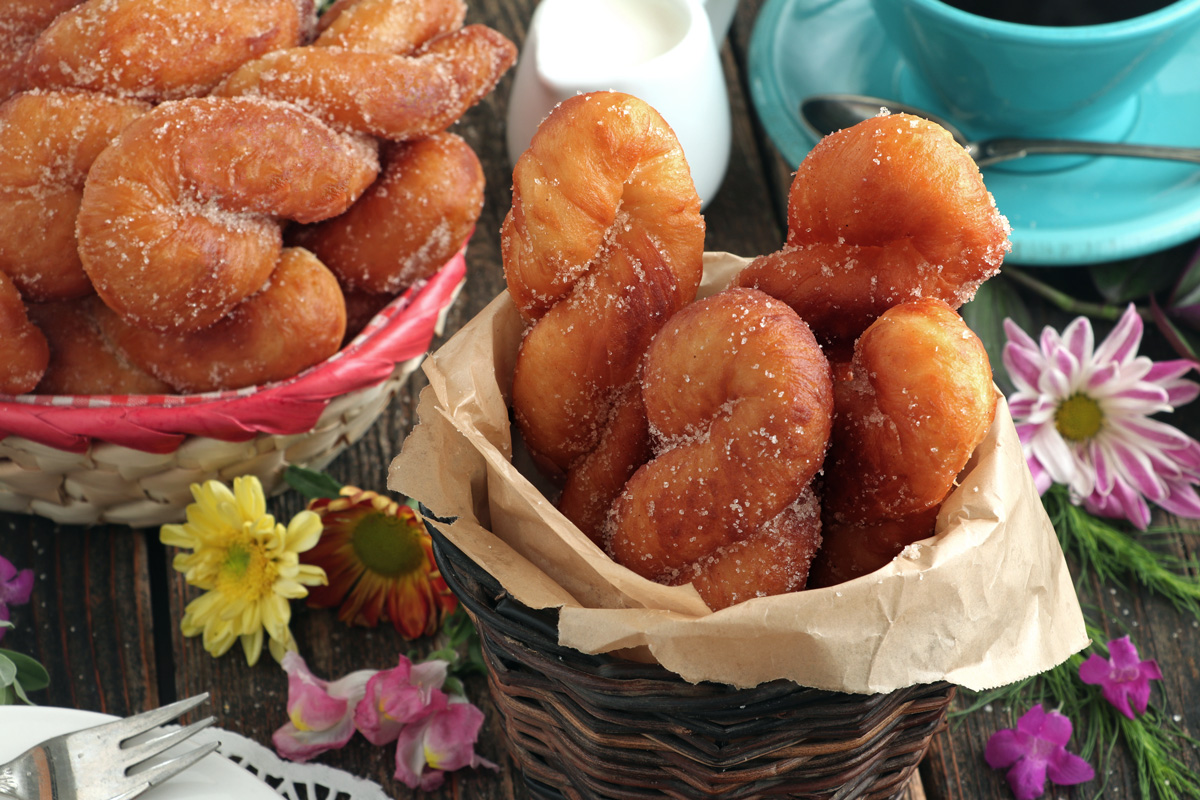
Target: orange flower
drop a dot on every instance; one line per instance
(379, 559)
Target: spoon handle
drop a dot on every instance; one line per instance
(993, 151)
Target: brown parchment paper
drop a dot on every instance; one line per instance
(987, 601)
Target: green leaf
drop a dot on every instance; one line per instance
(312, 485)
(8, 668)
(996, 300)
(1183, 343)
(1123, 282)
(454, 686)
(31, 674)
(1112, 555)
(22, 673)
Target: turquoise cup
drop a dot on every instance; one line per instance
(1016, 79)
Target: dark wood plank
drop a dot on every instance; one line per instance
(90, 620)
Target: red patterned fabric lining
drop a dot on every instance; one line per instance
(160, 423)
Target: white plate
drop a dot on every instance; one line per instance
(214, 777)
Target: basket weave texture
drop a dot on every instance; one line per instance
(132, 460)
(586, 727)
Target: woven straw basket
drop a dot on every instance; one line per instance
(131, 459)
(586, 727)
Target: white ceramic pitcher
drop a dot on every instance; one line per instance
(662, 51)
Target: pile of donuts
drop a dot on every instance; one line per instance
(795, 430)
(202, 195)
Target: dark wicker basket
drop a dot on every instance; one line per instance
(584, 727)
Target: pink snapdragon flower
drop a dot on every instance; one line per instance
(321, 713)
(16, 586)
(439, 743)
(398, 696)
(1036, 750)
(1123, 676)
(1084, 416)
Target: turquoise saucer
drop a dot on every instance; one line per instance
(1104, 209)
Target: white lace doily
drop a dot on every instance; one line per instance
(291, 780)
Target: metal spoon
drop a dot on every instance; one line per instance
(827, 113)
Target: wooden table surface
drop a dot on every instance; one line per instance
(106, 610)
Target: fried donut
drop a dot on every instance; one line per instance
(24, 353)
(388, 26)
(82, 360)
(740, 399)
(603, 243)
(885, 211)
(409, 223)
(48, 141)
(178, 220)
(396, 97)
(595, 480)
(296, 321)
(21, 22)
(915, 403)
(775, 559)
(160, 49)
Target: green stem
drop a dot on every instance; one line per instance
(1065, 301)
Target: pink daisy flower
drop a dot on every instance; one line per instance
(1084, 416)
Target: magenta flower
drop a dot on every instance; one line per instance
(15, 589)
(321, 714)
(439, 743)
(1084, 415)
(1035, 751)
(399, 696)
(1123, 676)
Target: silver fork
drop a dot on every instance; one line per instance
(113, 761)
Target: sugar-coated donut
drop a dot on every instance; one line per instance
(916, 402)
(160, 49)
(417, 215)
(48, 140)
(885, 211)
(296, 321)
(775, 559)
(739, 398)
(24, 353)
(603, 244)
(396, 97)
(388, 26)
(178, 220)
(21, 22)
(82, 360)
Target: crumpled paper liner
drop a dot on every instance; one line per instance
(987, 601)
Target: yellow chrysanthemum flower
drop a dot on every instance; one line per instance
(248, 564)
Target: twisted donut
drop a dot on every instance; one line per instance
(160, 49)
(390, 96)
(603, 243)
(24, 353)
(740, 399)
(888, 210)
(915, 403)
(388, 26)
(48, 141)
(21, 22)
(296, 321)
(82, 360)
(409, 223)
(178, 219)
